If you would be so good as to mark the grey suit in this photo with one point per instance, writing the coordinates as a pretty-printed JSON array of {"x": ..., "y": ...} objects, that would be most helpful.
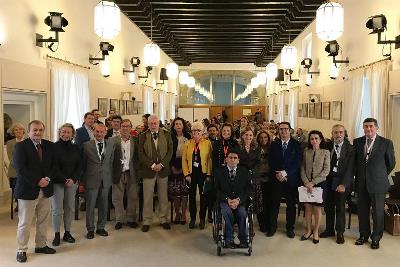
[
  {"x": 125, "y": 181},
  {"x": 97, "y": 178},
  {"x": 372, "y": 183}
]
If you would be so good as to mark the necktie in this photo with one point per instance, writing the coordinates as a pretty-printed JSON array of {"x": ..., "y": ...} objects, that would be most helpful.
[
  {"x": 155, "y": 136},
  {"x": 369, "y": 141},
  {"x": 39, "y": 151},
  {"x": 334, "y": 158},
  {"x": 100, "y": 146},
  {"x": 232, "y": 174},
  {"x": 284, "y": 148}
]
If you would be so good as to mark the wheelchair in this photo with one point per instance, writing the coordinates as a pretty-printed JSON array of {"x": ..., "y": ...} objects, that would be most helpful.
[{"x": 218, "y": 228}]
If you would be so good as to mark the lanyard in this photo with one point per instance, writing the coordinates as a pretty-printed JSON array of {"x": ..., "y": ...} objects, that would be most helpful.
[
  {"x": 368, "y": 148},
  {"x": 225, "y": 148}
]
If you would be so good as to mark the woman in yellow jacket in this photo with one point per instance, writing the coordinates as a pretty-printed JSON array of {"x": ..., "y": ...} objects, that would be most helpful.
[{"x": 196, "y": 166}]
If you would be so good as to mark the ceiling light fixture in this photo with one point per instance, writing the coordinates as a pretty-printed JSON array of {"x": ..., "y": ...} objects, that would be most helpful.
[
  {"x": 56, "y": 22},
  {"x": 191, "y": 82},
  {"x": 151, "y": 51},
  {"x": 307, "y": 63},
  {"x": 183, "y": 77},
  {"x": 329, "y": 21},
  {"x": 107, "y": 19},
  {"x": 172, "y": 70}
]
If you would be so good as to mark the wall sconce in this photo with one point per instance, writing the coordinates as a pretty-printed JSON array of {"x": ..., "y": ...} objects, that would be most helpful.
[
  {"x": 134, "y": 62},
  {"x": 378, "y": 25},
  {"x": 290, "y": 72},
  {"x": 163, "y": 76},
  {"x": 56, "y": 22},
  {"x": 105, "y": 48},
  {"x": 307, "y": 63},
  {"x": 333, "y": 48},
  {"x": 148, "y": 70}
]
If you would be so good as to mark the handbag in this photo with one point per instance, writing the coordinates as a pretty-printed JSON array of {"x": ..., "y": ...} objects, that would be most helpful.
[{"x": 392, "y": 219}]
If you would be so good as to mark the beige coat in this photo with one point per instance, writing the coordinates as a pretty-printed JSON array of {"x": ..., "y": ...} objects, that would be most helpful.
[
  {"x": 319, "y": 168},
  {"x": 10, "y": 151}
]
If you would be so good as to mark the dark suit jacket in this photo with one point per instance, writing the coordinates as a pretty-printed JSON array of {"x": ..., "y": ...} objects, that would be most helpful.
[
  {"x": 239, "y": 188},
  {"x": 291, "y": 163},
  {"x": 345, "y": 172},
  {"x": 30, "y": 169},
  {"x": 82, "y": 136},
  {"x": 109, "y": 133},
  {"x": 373, "y": 174},
  {"x": 69, "y": 161},
  {"x": 118, "y": 156}
]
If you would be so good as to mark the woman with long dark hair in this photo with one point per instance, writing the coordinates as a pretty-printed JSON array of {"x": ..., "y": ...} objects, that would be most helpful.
[{"x": 177, "y": 189}]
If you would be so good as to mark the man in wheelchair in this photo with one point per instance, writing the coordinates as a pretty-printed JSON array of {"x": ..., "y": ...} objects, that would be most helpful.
[{"x": 233, "y": 185}]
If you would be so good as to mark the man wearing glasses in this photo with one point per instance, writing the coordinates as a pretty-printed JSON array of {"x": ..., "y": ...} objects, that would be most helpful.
[{"x": 285, "y": 160}]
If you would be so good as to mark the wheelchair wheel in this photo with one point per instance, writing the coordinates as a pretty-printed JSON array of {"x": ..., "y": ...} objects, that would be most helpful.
[
  {"x": 249, "y": 250},
  {"x": 219, "y": 248}
]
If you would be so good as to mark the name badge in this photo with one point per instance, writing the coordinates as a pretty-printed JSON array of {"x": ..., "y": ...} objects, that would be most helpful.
[
  {"x": 334, "y": 169},
  {"x": 195, "y": 164}
]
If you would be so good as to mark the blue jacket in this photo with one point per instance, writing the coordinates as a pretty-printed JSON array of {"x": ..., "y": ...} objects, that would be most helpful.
[
  {"x": 82, "y": 136},
  {"x": 291, "y": 163}
]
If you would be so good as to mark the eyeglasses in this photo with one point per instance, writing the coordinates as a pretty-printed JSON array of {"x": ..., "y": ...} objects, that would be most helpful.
[
  {"x": 233, "y": 157},
  {"x": 283, "y": 129}
]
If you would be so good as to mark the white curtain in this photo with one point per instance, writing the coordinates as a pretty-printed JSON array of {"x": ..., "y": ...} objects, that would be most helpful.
[
  {"x": 162, "y": 106},
  {"x": 148, "y": 100},
  {"x": 61, "y": 77},
  {"x": 293, "y": 103},
  {"x": 353, "y": 101},
  {"x": 70, "y": 87},
  {"x": 281, "y": 107},
  {"x": 378, "y": 81},
  {"x": 271, "y": 104},
  {"x": 172, "y": 106}
]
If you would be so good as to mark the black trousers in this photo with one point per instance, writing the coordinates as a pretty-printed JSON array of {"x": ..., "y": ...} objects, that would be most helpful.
[
  {"x": 283, "y": 190},
  {"x": 365, "y": 201},
  {"x": 335, "y": 211},
  {"x": 264, "y": 218},
  {"x": 197, "y": 181}
]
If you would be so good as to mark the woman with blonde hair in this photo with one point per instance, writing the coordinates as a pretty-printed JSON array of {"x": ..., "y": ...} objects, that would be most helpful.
[
  {"x": 196, "y": 166},
  {"x": 18, "y": 131},
  {"x": 69, "y": 163}
]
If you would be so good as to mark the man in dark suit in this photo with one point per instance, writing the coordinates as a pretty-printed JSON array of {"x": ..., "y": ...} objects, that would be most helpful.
[
  {"x": 375, "y": 160},
  {"x": 125, "y": 168},
  {"x": 285, "y": 160},
  {"x": 116, "y": 127},
  {"x": 97, "y": 114},
  {"x": 98, "y": 155},
  {"x": 338, "y": 183},
  {"x": 85, "y": 133},
  {"x": 35, "y": 166},
  {"x": 233, "y": 187}
]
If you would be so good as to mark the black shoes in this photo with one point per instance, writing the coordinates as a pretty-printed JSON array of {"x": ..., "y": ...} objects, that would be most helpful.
[
  {"x": 270, "y": 233},
  {"x": 21, "y": 256},
  {"x": 192, "y": 224},
  {"x": 101, "y": 232},
  {"x": 326, "y": 234},
  {"x": 361, "y": 240},
  {"x": 166, "y": 226},
  {"x": 45, "y": 250},
  {"x": 56, "y": 240},
  {"x": 202, "y": 224},
  {"x": 132, "y": 224},
  {"x": 145, "y": 228},
  {"x": 375, "y": 244},
  {"x": 118, "y": 226},
  {"x": 243, "y": 245},
  {"x": 290, "y": 233},
  {"x": 339, "y": 238},
  {"x": 304, "y": 237},
  {"x": 315, "y": 241},
  {"x": 68, "y": 237},
  {"x": 230, "y": 244},
  {"x": 90, "y": 235}
]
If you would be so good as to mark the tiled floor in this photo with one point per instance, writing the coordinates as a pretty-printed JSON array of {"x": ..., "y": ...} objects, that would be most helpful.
[{"x": 183, "y": 247}]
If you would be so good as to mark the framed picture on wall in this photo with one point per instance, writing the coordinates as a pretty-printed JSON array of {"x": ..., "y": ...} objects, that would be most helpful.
[
  {"x": 102, "y": 106},
  {"x": 311, "y": 110},
  {"x": 129, "y": 107},
  {"x": 114, "y": 104},
  {"x": 337, "y": 110},
  {"x": 305, "y": 110},
  {"x": 300, "y": 110},
  {"x": 135, "y": 107},
  {"x": 122, "y": 107},
  {"x": 140, "y": 107},
  {"x": 326, "y": 110},
  {"x": 318, "y": 110}
]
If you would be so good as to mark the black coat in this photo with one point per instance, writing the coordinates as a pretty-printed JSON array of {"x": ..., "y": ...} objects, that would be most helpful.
[
  {"x": 239, "y": 188},
  {"x": 218, "y": 157},
  {"x": 30, "y": 169},
  {"x": 69, "y": 161}
]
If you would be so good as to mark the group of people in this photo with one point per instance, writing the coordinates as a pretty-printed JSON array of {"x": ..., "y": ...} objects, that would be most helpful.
[{"x": 266, "y": 163}]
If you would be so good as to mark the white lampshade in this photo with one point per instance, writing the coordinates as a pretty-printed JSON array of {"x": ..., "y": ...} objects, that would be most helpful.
[
  {"x": 271, "y": 71},
  {"x": 308, "y": 79},
  {"x": 330, "y": 17},
  {"x": 334, "y": 72},
  {"x": 183, "y": 77},
  {"x": 254, "y": 82},
  {"x": 191, "y": 82},
  {"x": 288, "y": 57},
  {"x": 151, "y": 55},
  {"x": 107, "y": 19},
  {"x": 172, "y": 71},
  {"x": 262, "y": 77},
  {"x": 105, "y": 67},
  {"x": 132, "y": 77}
]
